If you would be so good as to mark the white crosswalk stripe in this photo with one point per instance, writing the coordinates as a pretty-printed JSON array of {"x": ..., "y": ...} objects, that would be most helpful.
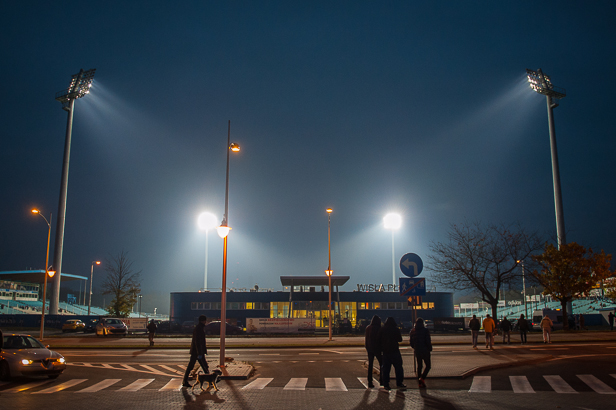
[
  {"x": 137, "y": 385},
  {"x": 173, "y": 385},
  {"x": 99, "y": 386},
  {"x": 296, "y": 384},
  {"x": 558, "y": 384},
  {"x": 334, "y": 384},
  {"x": 61, "y": 386},
  {"x": 27, "y": 386},
  {"x": 481, "y": 384},
  {"x": 520, "y": 384},
  {"x": 596, "y": 384},
  {"x": 258, "y": 384}
]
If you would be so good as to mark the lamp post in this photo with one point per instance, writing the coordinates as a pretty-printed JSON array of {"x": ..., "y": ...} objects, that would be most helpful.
[
  {"x": 47, "y": 270},
  {"x": 206, "y": 221},
  {"x": 393, "y": 222},
  {"x": 329, "y": 272},
  {"x": 79, "y": 87},
  {"x": 139, "y": 296},
  {"x": 541, "y": 84},
  {"x": 223, "y": 232},
  {"x": 91, "y": 275},
  {"x": 524, "y": 288}
]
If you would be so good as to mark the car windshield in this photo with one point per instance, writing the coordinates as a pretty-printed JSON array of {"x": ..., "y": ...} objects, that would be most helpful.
[
  {"x": 21, "y": 342},
  {"x": 114, "y": 321}
]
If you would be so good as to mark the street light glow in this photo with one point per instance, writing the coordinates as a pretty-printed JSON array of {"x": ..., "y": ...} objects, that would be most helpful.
[
  {"x": 223, "y": 231},
  {"x": 234, "y": 147},
  {"x": 35, "y": 211},
  {"x": 207, "y": 221},
  {"x": 541, "y": 83},
  {"x": 392, "y": 221}
]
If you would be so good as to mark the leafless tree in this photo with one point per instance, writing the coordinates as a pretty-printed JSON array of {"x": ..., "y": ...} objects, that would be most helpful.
[
  {"x": 122, "y": 283},
  {"x": 482, "y": 258}
]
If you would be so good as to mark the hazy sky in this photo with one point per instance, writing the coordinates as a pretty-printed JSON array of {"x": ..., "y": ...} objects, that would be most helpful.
[{"x": 367, "y": 107}]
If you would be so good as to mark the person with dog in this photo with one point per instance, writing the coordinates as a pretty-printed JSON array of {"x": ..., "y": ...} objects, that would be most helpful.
[
  {"x": 151, "y": 331},
  {"x": 372, "y": 346},
  {"x": 198, "y": 350},
  {"x": 422, "y": 345},
  {"x": 389, "y": 337}
]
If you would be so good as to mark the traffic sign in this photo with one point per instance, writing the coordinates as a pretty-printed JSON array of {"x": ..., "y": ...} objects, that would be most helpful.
[
  {"x": 412, "y": 287},
  {"x": 411, "y": 265}
]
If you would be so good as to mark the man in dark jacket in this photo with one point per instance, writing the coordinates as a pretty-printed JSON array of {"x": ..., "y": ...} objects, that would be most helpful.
[
  {"x": 372, "y": 346},
  {"x": 523, "y": 325},
  {"x": 474, "y": 325},
  {"x": 505, "y": 326},
  {"x": 151, "y": 331},
  {"x": 422, "y": 344},
  {"x": 389, "y": 337},
  {"x": 198, "y": 350}
]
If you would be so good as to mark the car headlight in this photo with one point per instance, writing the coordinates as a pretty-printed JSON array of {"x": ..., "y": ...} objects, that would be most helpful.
[
  {"x": 61, "y": 360},
  {"x": 25, "y": 362}
]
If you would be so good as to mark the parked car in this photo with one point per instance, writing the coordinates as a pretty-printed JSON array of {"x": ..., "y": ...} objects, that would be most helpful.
[
  {"x": 90, "y": 325},
  {"x": 23, "y": 355},
  {"x": 73, "y": 325},
  {"x": 168, "y": 326},
  {"x": 213, "y": 328},
  {"x": 188, "y": 326},
  {"x": 111, "y": 326}
]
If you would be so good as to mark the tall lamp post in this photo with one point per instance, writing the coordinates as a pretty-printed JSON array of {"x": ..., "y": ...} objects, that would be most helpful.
[
  {"x": 541, "y": 84},
  {"x": 524, "y": 288},
  {"x": 47, "y": 269},
  {"x": 393, "y": 222},
  {"x": 223, "y": 232},
  {"x": 140, "y": 296},
  {"x": 206, "y": 221},
  {"x": 91, "y": 275},
  {"x": 79, "y": 87},
  {"x": 329, "y": 272}
]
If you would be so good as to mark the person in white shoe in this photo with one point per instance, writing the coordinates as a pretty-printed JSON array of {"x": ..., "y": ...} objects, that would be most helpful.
[{"x": 546, "y": 325}]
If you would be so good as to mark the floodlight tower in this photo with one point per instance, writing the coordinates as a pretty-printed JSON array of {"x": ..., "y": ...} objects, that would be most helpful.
[
  {"x": 79, "y": 87},
  {"x": 541, "y": 84}
]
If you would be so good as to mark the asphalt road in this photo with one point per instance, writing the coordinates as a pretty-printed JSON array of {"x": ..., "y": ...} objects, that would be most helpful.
[{"x": 318, "y": 378}]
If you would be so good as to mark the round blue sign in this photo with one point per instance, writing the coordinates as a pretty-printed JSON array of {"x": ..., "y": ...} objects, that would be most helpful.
[{"x": 411, "y": 265}]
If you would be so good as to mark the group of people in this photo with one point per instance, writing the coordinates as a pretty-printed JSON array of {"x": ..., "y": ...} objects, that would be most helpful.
[
  {"x": 489, "y": 326},
  {"x": 382, "y": 343}
]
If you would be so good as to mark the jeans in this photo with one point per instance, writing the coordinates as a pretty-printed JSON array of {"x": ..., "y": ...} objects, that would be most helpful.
[
  {"x": 546, "y": 335},
  {"x": 191, "y": 365},
  {"x": 371, "y": 357},
  {"x": 508, "y": 334},
  {"x": 421, "y": 360},
  {"x": 523, "y": 336},
  {"x": 390, "y": 359},
  {"x": 474, "y": 335},
  {"x": 489, "y": 339}
]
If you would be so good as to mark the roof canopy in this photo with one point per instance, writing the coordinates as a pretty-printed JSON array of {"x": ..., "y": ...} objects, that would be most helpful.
[
  {"x": 313, "y": 280},
  {"x": 34, "y": 276}
]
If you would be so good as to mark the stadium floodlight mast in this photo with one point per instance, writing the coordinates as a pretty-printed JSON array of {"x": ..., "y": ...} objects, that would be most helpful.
[
  {"x": 206, "y": 221},
  {"x": 79, "y": 87},
  {"x": 394, "y": 222},
  {"x": 541, "y": 83}
]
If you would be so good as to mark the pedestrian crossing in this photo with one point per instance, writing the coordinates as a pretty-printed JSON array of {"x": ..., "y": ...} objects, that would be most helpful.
[{"x": 479, "y": 385}]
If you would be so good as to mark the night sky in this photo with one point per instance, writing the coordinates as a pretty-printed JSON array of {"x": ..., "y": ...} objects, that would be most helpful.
[{"x": 420, "y": 108}]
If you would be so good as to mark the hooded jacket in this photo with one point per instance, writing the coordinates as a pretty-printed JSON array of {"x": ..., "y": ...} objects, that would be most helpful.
[
  {"x": 420, "y": 339},
  {"x": 372, "y": 335},
  {"x": 389, "y": 337}
]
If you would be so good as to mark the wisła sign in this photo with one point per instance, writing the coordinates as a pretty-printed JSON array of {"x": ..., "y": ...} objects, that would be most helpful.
[{"x": 377, "y": 288}]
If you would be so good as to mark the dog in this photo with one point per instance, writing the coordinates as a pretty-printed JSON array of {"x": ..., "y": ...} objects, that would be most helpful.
[{"x": 210, "y": 378}]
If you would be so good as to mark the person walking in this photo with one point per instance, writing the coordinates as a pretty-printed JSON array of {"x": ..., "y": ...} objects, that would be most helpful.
[
  {"x": 582, "y": 322},
  {"x": 523, "y": 327},
  {"x": 474, "y": 325},
  {"x": 1, "y": 340},
  {"x": 372, "y": 346},
  {"x": 505, "y": 326},
  {"x": 198, "y": 350},
  {"x": 151, "y": 331},
  {"x": 610, "y": 318},
  {"x": 422, "y": 345},
  {"x": 488, "y": 327},
  {"x": 389, "y": 337},
  {"x": 546, "y": 325}
]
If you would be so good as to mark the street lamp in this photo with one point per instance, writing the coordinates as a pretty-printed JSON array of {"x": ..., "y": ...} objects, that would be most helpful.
[
  {"x": 541, "y": 84},
  {"x": 524, "y": 288},
  {"x": 206, "y": 221},
  {"x": 329, "y": 272},
  {"x": 223, "y": 232},
  {"x": 139, "y": 296},
  {"x": 393, "y": 222},
  {"x": 91, "y": 274},
  {"x": 79, "y": 87},
  {"x": 48, "y": 222}
]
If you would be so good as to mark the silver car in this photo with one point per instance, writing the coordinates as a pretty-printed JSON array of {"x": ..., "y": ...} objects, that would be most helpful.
[
  {"x": 111, "y": 326},
  {"x": 23, "y": 355}
]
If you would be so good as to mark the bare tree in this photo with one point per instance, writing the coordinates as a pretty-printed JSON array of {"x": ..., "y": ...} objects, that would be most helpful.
[
  {"x": 121, "y": 282},
  {"x": 482, "y": 258}
]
